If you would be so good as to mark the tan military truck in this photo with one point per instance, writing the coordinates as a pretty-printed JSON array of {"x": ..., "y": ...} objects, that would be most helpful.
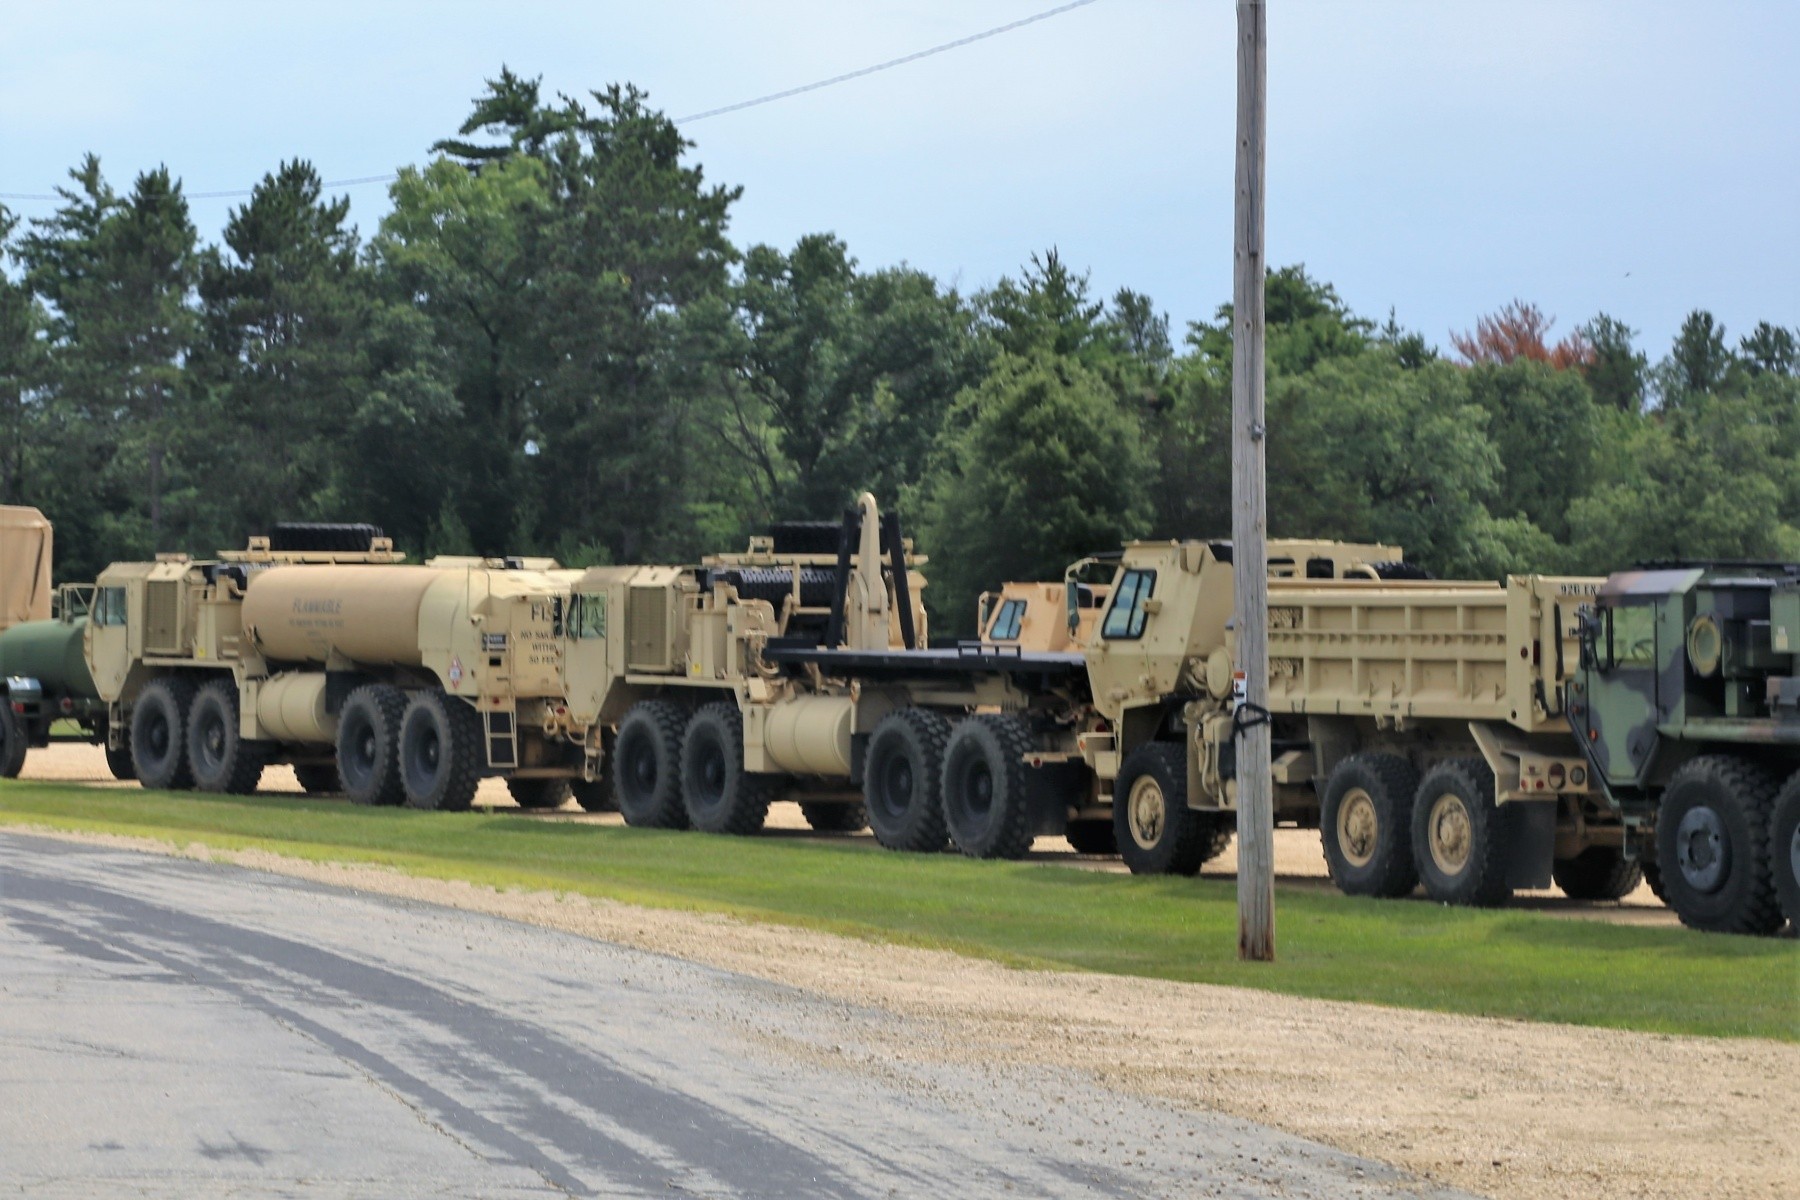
[
  {"x": 320, "y": 647},
  {"x": 1418, "y": 723}
]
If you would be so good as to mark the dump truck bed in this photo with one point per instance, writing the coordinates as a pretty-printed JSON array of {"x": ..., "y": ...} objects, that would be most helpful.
[{"x": 1461, "y": 651}]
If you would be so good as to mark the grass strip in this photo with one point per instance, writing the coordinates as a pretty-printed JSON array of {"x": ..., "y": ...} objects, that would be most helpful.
[{"x": 1495, "y": 963}]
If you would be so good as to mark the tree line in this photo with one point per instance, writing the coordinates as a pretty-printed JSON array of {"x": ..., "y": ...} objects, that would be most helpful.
[{"x": 551, "y": 345}]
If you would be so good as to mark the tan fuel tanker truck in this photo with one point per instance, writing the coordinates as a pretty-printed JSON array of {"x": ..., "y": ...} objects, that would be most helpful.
[{"x": 399, "y": 682}]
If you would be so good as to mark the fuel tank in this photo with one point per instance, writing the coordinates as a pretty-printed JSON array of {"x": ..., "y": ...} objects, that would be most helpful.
[
  {"x": 368, "y": 614},
  {"x": 51, "y": 653}
]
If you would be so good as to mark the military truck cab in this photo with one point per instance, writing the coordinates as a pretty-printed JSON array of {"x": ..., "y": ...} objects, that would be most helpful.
[{"x": 1687, "y": 707}]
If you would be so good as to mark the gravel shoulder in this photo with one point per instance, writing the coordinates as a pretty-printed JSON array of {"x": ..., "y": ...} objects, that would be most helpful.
[{"x": 1503, "y": 1108}]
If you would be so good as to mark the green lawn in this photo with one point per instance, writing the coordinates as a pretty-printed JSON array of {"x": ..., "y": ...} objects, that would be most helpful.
[{"x": 1493, "y": 963}]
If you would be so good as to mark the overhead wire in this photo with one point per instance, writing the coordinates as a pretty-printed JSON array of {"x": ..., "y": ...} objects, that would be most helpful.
[{"x": 903, "y": 60}]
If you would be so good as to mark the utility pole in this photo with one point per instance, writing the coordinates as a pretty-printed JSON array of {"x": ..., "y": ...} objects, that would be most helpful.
[{"x": 1249, "y": 504}]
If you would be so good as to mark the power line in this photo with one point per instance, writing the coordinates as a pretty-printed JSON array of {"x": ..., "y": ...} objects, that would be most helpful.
[{"x": 996, "y": 31}]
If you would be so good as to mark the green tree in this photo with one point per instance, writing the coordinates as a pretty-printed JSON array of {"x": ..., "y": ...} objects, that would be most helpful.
[
  {"x": 1769, "y": 348},
  {"x": 1040, "y": 466},
  {"x": 1616, "y": 370},
  {"x": 1698, "y": 361},
  {"x": 119, "y": 275},
  {"x": 284, "y": 364},
  {"x": 1545, "y": 428},
  {"x": 22, "y": 321}
]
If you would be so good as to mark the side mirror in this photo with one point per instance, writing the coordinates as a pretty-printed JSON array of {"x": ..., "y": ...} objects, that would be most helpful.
[
  {"x": 983, "y": 606},
  {"x": 1072, "y": 602},
  {"x": 1587, "y": 635}
]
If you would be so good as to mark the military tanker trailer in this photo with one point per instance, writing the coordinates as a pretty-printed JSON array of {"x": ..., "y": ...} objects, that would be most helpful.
[
  {"x": 394, "y": 682},
  {"x": 46, "y": 693}
]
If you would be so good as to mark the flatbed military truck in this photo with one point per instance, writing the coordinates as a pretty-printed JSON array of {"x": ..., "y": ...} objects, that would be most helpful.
[
  {"x": 320, "y": 647},
  {"x": 1686, "y": 707},
  {"x": 46, "y": 693},
  {"x": 794, "y": 669}
]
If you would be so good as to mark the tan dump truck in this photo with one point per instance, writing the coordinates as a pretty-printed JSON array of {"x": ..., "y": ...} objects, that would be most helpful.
[
  {"x": 1418, "y": 723},
  {"x": 396, "y": 682}
]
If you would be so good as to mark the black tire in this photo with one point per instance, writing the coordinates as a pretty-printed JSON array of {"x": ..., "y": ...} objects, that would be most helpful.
[
  {"x": 719, "y": 795},
  {"x": 986, "y": 809},
  {"x": 1460, "y": 837},
  {"x": 159, "y": 722},
  {"x": 1365, "y": 823},
  {"x": 1598, "y": 873},
  {"x": 903, "y": 780},
  {"x": 835, "y": 817},
  {"x": 119, "y": 761},
  {"x": 647, "y": 771},
  {"x": 318, "y": 779},
  {"x": 13, "y": 742},
  {"x": 1653, "y": 876},
  {"x": 1154, "y": 829},
  {"x": 221, "y": 760},
  {"x": 1712, "y": 845},
  {"x": 368, "y": 745},
  {"x": 1784, "y": 849},
  {"x": 1093, "y": 837},
  {"x": 539, "y": 793},
  {"x": 441, "y": 746}
]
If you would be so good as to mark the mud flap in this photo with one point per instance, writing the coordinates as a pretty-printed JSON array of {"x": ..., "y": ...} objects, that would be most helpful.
[
  {"x": 1050, "y": 791},
  {"x": 1531, "y": 842}
]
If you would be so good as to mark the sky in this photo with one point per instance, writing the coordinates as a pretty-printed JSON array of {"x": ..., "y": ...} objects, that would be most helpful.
[{"x": 1434, "y": 157}]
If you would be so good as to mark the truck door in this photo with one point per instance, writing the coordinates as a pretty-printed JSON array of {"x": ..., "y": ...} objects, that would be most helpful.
[
  {"x": 586, "y": 673},
  {"x": 1621, "y": 701}
]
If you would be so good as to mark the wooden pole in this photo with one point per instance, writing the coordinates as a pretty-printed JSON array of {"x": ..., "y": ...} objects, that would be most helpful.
[{"x": 1249, "y": 507}]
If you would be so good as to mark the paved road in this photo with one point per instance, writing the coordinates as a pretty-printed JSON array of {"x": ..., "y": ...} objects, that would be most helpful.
[{"x": 183, "y": 1029}]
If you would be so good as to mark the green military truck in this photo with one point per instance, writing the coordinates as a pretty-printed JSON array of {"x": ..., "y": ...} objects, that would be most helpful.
[{"x": 1687, "y": 706}]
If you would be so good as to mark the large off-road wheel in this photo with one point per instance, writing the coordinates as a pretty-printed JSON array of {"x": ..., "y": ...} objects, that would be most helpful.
[
  {"x": 368, "y": 745},
  {"x": 1155, "y": 830},
  {"x": 834, "y": 816},
  {"x": 1598, "y": 873},
  {"x": 647, "y": 766},
  {"x": 13, "y": 742},
  {"x": 119, "y": 761},
  {"x": 159, "y": 722},
  {"x": 1712, "y": 845},
  {"x": 1459, "y": 835},
  {"x": 539, "y": 793},
  {"x": 221, "y": 760},
  {"x": 903, "y": 779},
  {"x": 318, "y": 779},
  {"x": 1784, "y": 849},
  {"x": 986, "y": 809},
  {"x": 1092, "y": 837},
  {"x": 440, "y": 752},
  {"x": 720, "y": 796},
  {"x": 1365, "y": 823}
]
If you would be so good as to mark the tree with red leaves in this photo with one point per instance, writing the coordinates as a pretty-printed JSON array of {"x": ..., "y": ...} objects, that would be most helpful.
[{"x": 1519, "y": 331}]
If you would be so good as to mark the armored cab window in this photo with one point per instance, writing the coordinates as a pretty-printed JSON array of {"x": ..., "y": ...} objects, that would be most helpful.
[
  {"x": 1631, "y": 635},
  {"x": 1125, "y": 620},
  {"x": 587, "y": 617},
  {"x": 1007, "y": 622},
  {"x": 109, "y": 606}
]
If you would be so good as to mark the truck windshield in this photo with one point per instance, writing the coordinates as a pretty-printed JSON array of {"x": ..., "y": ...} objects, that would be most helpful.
[
  {"x": 1632, "y": 633},
  {"x": 1007, "y": 622}
]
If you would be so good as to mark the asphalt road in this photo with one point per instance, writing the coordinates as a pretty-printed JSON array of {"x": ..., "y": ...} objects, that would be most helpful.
[{"x": 185, "y": 1029}]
